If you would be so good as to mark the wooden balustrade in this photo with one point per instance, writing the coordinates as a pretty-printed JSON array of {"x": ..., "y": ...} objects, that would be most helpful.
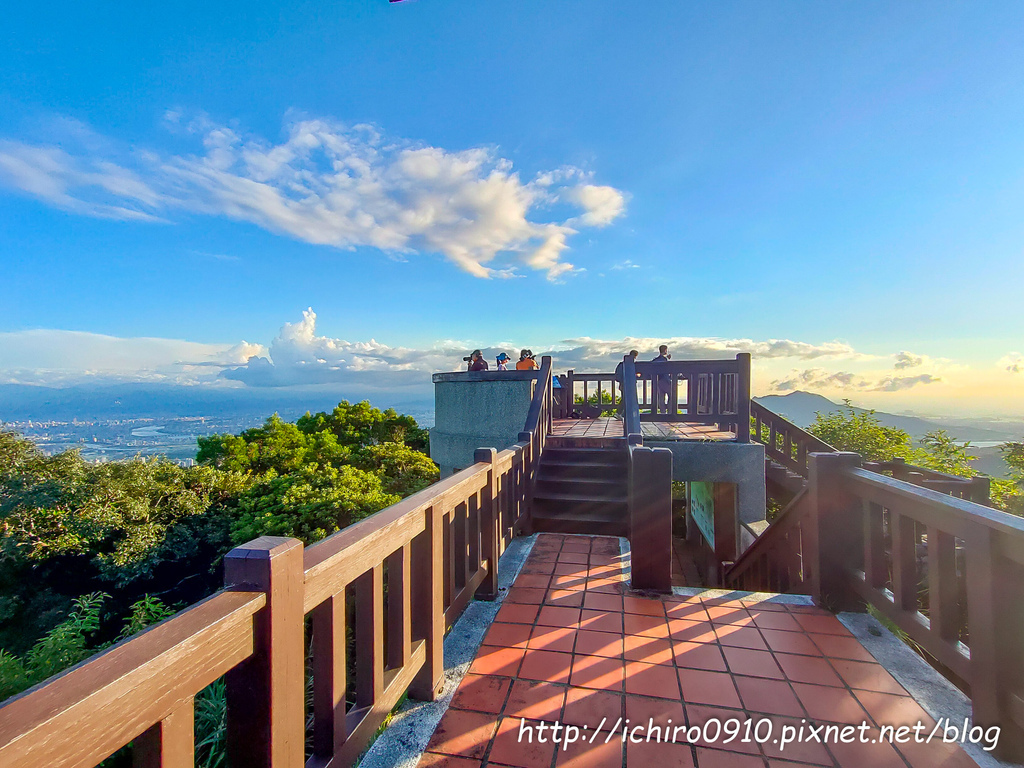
[
  {"x": 591, "y": 385},
  {"x": 384, "y": 590},
  {"x": 947, "y": 571},
  {"x": 713, "y": 392},
  {"x": 784, "y": 442}
]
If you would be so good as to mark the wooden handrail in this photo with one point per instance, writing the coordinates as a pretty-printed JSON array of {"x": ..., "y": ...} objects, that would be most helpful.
[
  {"x": 784, "y": 442},
  {"x": 774, "y": 562},
  {"x": 541, "y": 396},
  {"x": 86, "y": 713}
]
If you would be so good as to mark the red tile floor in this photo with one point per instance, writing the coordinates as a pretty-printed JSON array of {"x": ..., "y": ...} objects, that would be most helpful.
[{"x": 572, "y": 645}]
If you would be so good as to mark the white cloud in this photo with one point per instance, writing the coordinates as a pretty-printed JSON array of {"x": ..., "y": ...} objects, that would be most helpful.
[
  {"x": 627, "y": 264},
  {"x": 601, "y": 205},
  {"x": 1012, "y": 362},
  {"x": 329, "y": 184},
  {"x": 597, "y": 354}
]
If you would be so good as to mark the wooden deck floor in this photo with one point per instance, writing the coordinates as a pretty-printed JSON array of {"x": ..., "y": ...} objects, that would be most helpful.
[
  {"x": 572, "y": 645},
  {"x": 655, "y": 430}
]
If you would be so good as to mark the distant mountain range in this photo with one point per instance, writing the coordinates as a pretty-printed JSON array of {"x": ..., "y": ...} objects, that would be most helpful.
[{"x": 801, "y": 407}]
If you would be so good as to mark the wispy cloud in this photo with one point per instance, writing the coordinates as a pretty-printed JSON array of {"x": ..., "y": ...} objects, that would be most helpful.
[
  {"x": 906, "y": 360},
  {"x": 822, "y": 379},
  {"x": 329, "y": 184}
]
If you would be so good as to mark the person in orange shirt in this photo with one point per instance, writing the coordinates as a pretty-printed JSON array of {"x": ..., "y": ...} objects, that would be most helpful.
[{"x": 526, "y": 361}]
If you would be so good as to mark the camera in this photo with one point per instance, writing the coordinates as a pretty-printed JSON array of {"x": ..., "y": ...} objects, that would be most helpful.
[{"x": 466, "y": 359}]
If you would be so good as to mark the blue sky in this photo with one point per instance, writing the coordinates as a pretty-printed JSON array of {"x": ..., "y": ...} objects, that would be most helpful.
[{"x": 847, "y": 174}]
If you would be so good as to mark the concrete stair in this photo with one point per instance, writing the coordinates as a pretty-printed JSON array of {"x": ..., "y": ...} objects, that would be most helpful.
[{"x": 581, "y": 487}]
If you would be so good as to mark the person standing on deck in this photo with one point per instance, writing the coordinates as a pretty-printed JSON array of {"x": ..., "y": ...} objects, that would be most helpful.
[
  {"x": 662, "y": 382},
  {"x": 618, "y": 368},
  {"x": 527, "y": 362},
  {"x": 477, "y": 362}
]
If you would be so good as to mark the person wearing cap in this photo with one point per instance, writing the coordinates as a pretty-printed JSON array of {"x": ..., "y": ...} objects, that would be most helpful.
[
  {"x": 502, "y": 360},
  {"x": 477, "y": 362},
  {"x": 526, "y": 361}
]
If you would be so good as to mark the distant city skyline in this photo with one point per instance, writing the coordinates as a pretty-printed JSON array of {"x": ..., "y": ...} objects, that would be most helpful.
[{"x": 356, "y": 196}]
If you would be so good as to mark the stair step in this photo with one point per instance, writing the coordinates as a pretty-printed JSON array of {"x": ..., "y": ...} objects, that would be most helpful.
[
  {"x": 582, "y": 509},
  {"x": 582, "y": 489},
  {"x": 579, "y": 497},
  {"x": 593, "y": 527},
  {"x": 581, "y": 472}
]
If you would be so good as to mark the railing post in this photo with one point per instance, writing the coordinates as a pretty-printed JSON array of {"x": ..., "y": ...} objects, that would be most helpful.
[
  {"x": 428, "y": 604},
  {"x": 266, "y": 693},
  {"x": 832, "y": 518},
  {"x": 650, "y": 518},
  {"x": 490, "y": 525},
  {"x": 570, "y": 397},
  {"x": 995, "y": 624},
  {"x": 743, "y": 398}
]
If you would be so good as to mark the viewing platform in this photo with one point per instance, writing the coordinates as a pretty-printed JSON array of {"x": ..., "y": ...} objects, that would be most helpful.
[
  {"x": 618, "y": 572},
  {"x": 605, "y": 426}
]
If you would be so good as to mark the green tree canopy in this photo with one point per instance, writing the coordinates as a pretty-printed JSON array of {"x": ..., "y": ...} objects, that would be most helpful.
[
  {"x": 402, "y": 469},
  {"x": 310, "y": 503},
  {"x": 848, "y": 430}
]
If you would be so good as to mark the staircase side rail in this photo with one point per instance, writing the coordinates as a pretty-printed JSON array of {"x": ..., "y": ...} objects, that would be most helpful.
[
  {"x": 947, "y": 571},
  {"x": 784, "y": 442},
  {"x": 432, "y": 552},
  {"x": 716, "y": 392},
  {"x": 630, "y": 404},
  {"x": 775, "y": 561}
]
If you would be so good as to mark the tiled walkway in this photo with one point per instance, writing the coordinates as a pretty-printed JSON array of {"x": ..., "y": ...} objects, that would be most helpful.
[
  {"x": 656, "y": 430},
  {"x": 572, "y": 645}
]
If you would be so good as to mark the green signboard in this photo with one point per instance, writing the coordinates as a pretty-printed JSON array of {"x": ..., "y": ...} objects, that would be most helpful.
[{"x": 702, "y": 509}]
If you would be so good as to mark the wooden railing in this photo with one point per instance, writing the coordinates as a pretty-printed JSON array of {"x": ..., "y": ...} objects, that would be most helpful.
[
  {"x": 775, "y": 561},
  {"x": 379, "y": 596},
  {"x": 586, "y": 386},
  {"x": 784, "y": 442},
  {"x": 947, "y": 571},
  {"x": 976, "y": 489},
  {"x": 699, "y": 392}
]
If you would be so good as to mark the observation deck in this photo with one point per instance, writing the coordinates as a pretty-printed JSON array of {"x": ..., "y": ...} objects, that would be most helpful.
[{"x": 533, "y": 584}]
